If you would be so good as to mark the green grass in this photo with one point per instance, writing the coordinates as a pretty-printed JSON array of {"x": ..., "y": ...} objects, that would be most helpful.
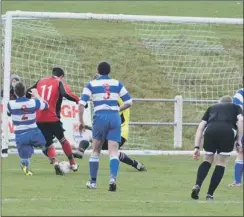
[
  {"x": 167, "y": 8},
  {"x": 163, "y": 190},
  {"x": 142, "y": 72}
]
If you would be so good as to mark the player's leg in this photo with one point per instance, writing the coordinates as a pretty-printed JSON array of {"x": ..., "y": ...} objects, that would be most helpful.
[
  {"x": 226, "y": 145},
  {"x": 37, "y": 139},
  {"x": 4, "y": 152},
  {"x": 113, "y": 163},
  {"x": 202, "y": 173},
  {"x": 128, "y": 160},
  {"x": 58, "y": 132},
  {"x": 209, "y": 147},
  {"x": 49, "y": 148},
  {"x": 83, "y": 146},
  {"x": 25, "y": 151},
  {"x": 99, "y": 131},
  {"x": 94, "y": 163},
  {"x": 238, "y": 168},
  {"x": 218, "y": 174},
  {"x": 114, "y": 137},
  {"x": 124, "y": 158}
]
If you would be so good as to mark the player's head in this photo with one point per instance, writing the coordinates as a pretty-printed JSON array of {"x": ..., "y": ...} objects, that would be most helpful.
[
  {"x": 225, "y": 99},
  {"x": 58, "y": 72},
  {"x": 19, "y": 89},
  {"x": 103, "y": 68},
  {"x": 14, "y": 79}
]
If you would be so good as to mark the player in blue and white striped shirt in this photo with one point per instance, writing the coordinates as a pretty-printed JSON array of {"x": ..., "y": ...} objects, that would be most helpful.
[
  {"x": 238, "y": 169},
  {"x": 105, "y": 93},
  {"x": 23, "y": 113}
]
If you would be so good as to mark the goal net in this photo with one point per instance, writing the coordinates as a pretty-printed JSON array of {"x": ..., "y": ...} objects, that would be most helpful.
[{"x": 155, "y": 57}]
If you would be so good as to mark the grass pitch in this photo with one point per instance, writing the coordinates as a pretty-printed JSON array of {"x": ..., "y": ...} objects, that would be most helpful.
[{"x": 163, "y": 190}]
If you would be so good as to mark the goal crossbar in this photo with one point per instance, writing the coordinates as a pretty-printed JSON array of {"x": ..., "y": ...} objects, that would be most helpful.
[{"x": 124, "y": 17}]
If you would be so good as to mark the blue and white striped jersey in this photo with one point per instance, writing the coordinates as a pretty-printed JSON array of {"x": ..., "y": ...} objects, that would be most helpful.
[
  {"x": 23, "y": 113},
  {"x": 105, "y": 93},
  {"x": 238, "y": 98}
]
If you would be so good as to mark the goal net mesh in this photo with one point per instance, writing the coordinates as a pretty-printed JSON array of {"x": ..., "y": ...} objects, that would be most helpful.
[
  {"x": 154, "y": 60},
  {"x": 193, "y": 58}
]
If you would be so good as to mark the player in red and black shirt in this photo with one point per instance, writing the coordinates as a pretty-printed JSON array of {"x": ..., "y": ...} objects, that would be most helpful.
[{"x": 53, "y": 89}]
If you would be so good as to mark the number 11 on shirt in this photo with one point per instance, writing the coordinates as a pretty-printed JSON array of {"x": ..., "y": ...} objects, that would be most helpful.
[{"x": 49, "y": 89}]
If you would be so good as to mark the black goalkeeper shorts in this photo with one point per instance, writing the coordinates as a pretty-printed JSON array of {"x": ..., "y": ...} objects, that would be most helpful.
[
  {"x": 105, "y": 144},
  {"x": 51, "y": 130}
]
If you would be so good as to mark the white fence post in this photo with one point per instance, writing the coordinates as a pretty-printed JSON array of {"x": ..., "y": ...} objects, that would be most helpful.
[{"x": 178, "y": 116}]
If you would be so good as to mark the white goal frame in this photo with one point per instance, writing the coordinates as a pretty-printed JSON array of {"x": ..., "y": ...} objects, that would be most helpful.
[{"x": 22, "y": 15}]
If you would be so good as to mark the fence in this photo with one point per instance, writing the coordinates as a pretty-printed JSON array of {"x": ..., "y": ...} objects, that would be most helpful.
[{"x": 177, "y": 123}]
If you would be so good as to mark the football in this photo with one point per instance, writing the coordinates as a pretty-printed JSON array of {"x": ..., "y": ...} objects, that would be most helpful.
[{"x": 64, "y": 166}]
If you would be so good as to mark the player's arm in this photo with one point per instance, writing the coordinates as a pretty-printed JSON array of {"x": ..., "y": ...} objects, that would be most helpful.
[
  {"x": 28, "y": 91},
  {"x": 40, "y": 104},
  {"x": 9, "y": 110},
  {"x": 200, "y": 129},
  {"x": 85, "y": 97},
  {"x": 125, "y": 96},
  {"x": 238, "y": 99},
  {"x": 199, "y": 134},
  {"x": 239, "y": 125},
  {"x": 66, "y": 92}
]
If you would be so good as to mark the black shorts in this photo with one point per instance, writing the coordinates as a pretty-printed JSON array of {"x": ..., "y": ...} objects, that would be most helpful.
[
  {"x": 219, "y": 138},
  {"x": 105, "y": 144},
  {"x": 51, "y": 130}
]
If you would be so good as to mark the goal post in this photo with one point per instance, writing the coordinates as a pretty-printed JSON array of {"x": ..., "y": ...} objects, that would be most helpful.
[
  {"x": 6, "y": 78},
  {"x": 187, "y": 53}
]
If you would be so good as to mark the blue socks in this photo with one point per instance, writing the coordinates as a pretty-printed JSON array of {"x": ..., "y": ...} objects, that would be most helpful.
[
  {"x": 114, "y": 167},
  {"x": 238, "y": 171},
  {"x": 25, "y": 162},
  {"x": 94, "y": 165}
]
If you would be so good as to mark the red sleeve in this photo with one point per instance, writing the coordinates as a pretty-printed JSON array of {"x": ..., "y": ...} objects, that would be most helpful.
[{"x": 66, "y": 92}]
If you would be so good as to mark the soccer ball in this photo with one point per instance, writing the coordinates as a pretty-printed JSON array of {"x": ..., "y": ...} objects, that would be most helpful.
[{"x": 64, "y": 166}]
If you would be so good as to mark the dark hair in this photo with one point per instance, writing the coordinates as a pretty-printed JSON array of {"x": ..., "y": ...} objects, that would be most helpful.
[
  {"x": 14, "y": 77},
  {"x": 19, "y": 89},
  {"x": 58, "y": 72},
  {"x": 103, "y": 68}
]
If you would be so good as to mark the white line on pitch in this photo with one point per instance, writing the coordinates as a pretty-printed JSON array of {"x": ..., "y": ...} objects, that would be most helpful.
[{"x": 16, "y": 200}]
